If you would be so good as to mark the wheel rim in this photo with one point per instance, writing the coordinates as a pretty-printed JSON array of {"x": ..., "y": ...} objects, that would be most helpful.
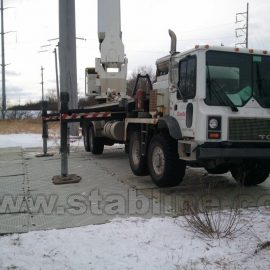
[
  {"x": 136, "y": 153},
  {"x": 158, "y": 161}
]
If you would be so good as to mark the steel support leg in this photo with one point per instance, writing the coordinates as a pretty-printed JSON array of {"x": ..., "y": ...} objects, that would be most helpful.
[
  {"x": 65, "y": 178},
  {"x": 64, "y": 149},
  {"x": 45, "y": 135}
]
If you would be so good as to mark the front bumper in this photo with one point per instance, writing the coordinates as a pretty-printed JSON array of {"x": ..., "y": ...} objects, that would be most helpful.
[{"x": 241, "y": 151}]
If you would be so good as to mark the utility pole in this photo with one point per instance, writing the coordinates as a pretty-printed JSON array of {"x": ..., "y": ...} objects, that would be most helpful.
[
  {"x": 3, "y": 64},
  {"x": 42, "y": 84},
  {"x": 4, "y": 102},
  {"x": 57, "y": 81},
  {"x": 55, "y": 51},
  {"x": 56, "y": 71},
  {"x": 242, "y": 20},
  {"x": 67, "y": 54}
]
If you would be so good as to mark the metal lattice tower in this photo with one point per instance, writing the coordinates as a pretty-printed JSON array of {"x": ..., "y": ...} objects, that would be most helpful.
[{"x": 242, "y": 30}]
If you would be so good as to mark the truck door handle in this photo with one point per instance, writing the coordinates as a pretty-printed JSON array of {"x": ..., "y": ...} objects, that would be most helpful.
[{"x": 175, "y": 107}]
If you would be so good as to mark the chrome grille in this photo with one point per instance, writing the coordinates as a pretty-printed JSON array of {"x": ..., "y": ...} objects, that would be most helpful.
[{"x": 249, "y": 129}]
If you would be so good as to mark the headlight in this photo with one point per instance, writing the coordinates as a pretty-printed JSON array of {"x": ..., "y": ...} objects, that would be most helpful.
[
  {"x": 213, "y": 123},
  {"x": 214, "y": 127}
]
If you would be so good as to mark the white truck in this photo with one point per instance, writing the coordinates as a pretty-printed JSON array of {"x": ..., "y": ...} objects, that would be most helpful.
[{"x": 209, "y": 107}]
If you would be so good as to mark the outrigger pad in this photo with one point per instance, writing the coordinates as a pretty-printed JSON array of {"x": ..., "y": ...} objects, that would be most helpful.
[
  {"x": 69, "y": 179},
  {"x": 45, "y": 155}
]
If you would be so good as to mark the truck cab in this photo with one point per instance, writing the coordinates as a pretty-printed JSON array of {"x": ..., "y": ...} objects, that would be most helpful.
[{"x": 219, "y": 98}]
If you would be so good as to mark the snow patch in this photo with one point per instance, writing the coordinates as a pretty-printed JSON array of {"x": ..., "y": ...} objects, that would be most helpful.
[
  {"x": 35, "y": 140},
  {"x": 134, "y": 243}
]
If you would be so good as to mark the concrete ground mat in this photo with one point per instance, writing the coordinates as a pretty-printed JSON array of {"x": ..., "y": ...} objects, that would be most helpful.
[{"x": 108, "y": 189}]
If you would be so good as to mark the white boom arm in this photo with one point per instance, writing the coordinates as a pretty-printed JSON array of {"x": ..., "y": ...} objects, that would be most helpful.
[{"x": 112, "y": 66}]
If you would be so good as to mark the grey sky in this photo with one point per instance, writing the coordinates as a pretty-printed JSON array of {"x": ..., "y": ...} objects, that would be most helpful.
[{"x": 144, "y": 25}]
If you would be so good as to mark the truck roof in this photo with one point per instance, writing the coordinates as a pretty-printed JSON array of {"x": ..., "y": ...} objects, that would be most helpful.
[
  {"x": 226, "y": 49},
  {"x": 163, "y": 62}
]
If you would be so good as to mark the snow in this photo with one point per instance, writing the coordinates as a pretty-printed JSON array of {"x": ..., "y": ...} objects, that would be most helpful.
[
  {"x": 26, "y": 140},
  {"x": 35, "y": 140},
  {"x": 135, "y": 243},
  {"x": 20, "y": 140}
]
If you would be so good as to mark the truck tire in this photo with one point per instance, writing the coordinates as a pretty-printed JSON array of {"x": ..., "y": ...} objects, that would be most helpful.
[
  {"x": 165, "y": 167},
  {"x": 86, "y": 139},
  {"x": 251, "y": 173},
  {"x": 96, "y": 143},
  {"x": 138, "y": 163}
]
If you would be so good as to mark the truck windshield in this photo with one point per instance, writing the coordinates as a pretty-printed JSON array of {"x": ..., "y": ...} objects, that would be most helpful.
[{"x": 237, "y": 76}]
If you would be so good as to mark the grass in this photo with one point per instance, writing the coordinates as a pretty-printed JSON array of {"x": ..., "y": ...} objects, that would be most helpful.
[{"x": 24, "y": 126}]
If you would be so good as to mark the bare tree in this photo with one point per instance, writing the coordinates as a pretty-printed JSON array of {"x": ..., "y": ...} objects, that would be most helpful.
[
  {"x": 51, "y": 96},
  {"x": 143, "y": 70}
]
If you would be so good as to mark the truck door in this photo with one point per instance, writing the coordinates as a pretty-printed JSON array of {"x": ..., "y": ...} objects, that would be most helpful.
[{"x": 184, "y": 103}]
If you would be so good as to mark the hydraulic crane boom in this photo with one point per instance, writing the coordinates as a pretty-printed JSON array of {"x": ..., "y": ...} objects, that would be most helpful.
[{"x": 111, "y": 67}]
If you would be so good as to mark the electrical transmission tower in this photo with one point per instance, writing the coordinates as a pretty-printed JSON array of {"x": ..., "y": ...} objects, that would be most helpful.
[{"x": 241, "y": 32}]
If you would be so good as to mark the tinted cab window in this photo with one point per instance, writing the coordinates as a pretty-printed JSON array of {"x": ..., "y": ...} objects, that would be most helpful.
[{"x": 187, "y": 77}]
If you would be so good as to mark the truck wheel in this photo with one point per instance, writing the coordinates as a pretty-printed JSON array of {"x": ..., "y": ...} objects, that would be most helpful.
[
  {"x": 138, "y": 163},
  {"x": 251, "y": 173},
  {"x": 165, "y": 167},
  {"x": 96, "y": 143},
  {"x": 86, "y": 139}
]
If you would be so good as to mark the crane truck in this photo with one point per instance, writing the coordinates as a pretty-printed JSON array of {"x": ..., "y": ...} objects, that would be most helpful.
[{"x": 208, "y": 107}]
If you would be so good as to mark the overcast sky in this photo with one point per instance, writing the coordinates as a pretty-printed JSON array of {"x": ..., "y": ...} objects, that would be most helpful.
[{"x": 144, "y": 24}]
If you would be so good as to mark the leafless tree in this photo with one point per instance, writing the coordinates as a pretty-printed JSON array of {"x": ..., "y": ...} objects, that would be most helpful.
[
  {"x": 51, "y": 96},
  {"x": 143, "y": 70}
]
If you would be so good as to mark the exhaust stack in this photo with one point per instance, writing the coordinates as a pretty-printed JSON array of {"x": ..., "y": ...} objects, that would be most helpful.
[{"x": 173, "y": 42}]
